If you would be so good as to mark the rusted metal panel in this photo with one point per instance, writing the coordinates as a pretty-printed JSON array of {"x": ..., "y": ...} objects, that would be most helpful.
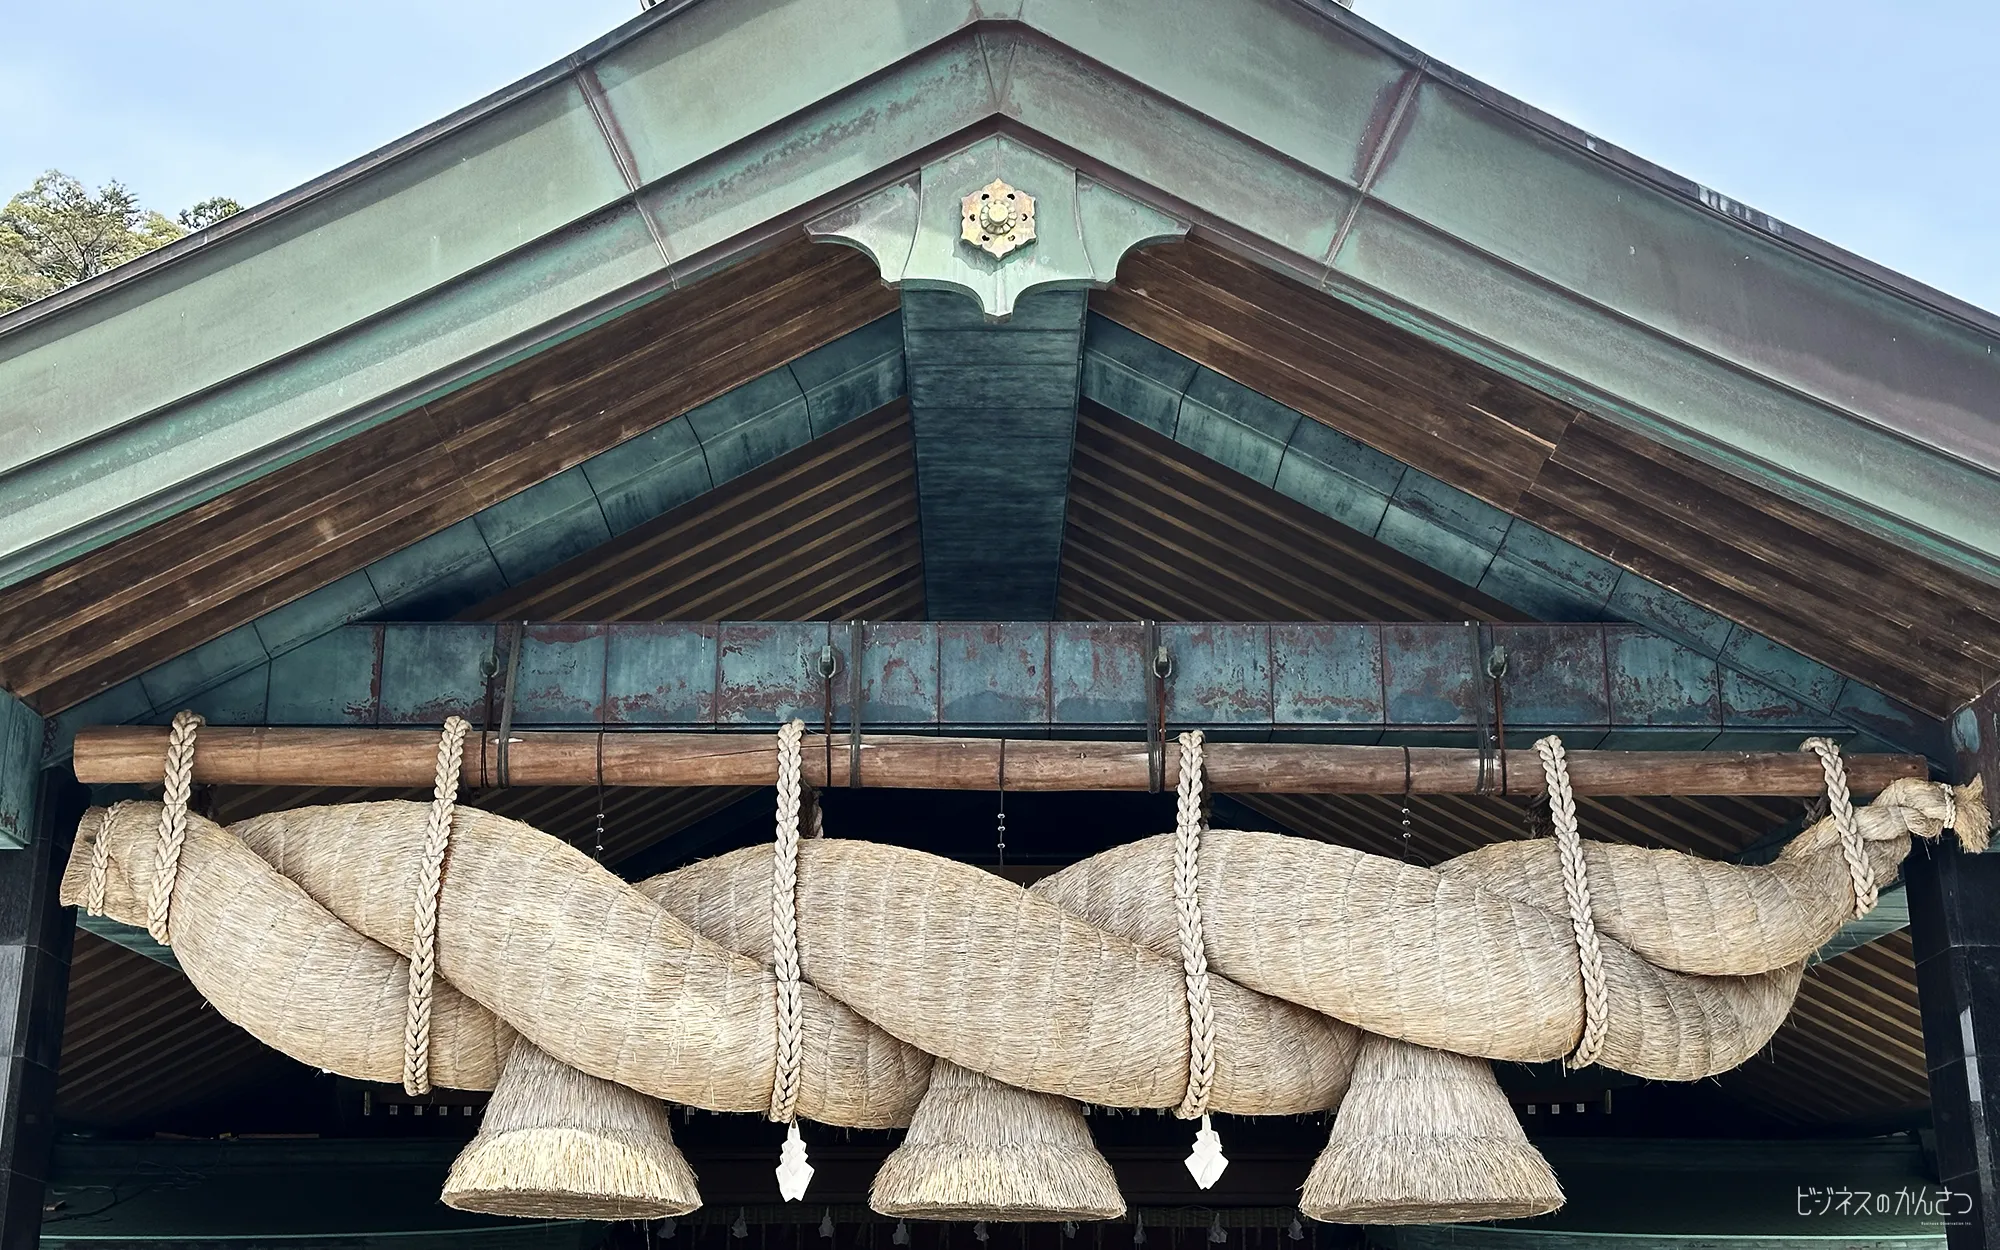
[
  {"x": 20, "y": 770},
  {"x": 430, "y": 672},
  {"x": 336, "y": 679},
  {"x": 1553, "y": 679},
  {"x": 1221, "y": 677},
  {"x": 563, "y": 679},
  {"x": 1662, "y": 693},
  {"x": 660, "y": 674},
  {"x": 1098, "y": 674},
  {"x": 242, "y": 700},
  {"x": 1328, "y": 675},
  {"x": 994, "y": 673},
  {"x": 767, "y": 672},
  {"x": 1760, "y": 717},
  {"x": 1428, "y": 678},
  {"x": 1975, "y": 741},
  {"x": 994, "y": 422},
  {"x": 900, "y": 671},
  {"x": 1892, "y": 721},
  {"x": 1363, "y": 682}
]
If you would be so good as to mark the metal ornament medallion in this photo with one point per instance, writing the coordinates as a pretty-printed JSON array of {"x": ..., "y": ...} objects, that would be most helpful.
[{"x": 998, "y": 218}]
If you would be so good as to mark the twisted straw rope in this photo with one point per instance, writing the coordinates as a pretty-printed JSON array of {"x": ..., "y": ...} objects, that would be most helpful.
[
  {"x": 430, "y": 878},
  {"x": 173, "y": 822},
  {"x": 100, "y": 865},
  {"x": 785, "y": 927},
  {"x": 1576, "y": 892},
  {"x": 1841, "y": 805},
  {"x": 1188, "y": 813}
]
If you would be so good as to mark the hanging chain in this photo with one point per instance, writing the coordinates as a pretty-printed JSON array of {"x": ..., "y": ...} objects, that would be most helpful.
[
  {"x": 1409, "y": 826},
  {"x": 1000, "y": 821},
  {"x": 597, "y": 850}
]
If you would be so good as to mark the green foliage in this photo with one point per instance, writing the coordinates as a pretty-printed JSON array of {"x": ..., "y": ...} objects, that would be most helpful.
[
  {"x": 56, "y": 233},
  {"x": 208, "y": 212}
]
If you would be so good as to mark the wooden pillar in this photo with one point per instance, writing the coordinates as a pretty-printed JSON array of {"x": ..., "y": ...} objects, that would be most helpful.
[
  {"x": 35, "y": 936},
  {"x": 1955, "y": 926},
  {"x": 1955, "y": 929}
]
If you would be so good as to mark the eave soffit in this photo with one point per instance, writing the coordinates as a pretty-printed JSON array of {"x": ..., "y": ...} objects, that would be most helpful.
[{"x": 637, "y": 165}]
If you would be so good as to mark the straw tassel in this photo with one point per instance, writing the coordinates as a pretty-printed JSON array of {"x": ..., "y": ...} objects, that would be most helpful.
[
  {"x": 558, "y": 1144},
  {"x": 981, "y": 1150},
  {"x": 1426, "y": 1137}
]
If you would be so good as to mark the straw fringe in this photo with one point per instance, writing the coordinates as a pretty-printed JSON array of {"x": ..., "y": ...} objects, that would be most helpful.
[
  {"x": 980, "y": 1150},
  {"x": 557, "y": 1144},
  {"x": 1426, "y": 1137}
]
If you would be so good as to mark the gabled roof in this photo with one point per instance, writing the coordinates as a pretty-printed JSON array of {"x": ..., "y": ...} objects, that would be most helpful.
[{"x": 1288, "y": 129}]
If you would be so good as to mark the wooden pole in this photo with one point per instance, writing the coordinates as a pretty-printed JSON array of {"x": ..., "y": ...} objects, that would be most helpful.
[{"x": 408, "y": 757}]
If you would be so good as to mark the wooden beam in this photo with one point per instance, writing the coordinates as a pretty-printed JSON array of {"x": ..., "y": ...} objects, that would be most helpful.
[{"x": 407, "y": 757}]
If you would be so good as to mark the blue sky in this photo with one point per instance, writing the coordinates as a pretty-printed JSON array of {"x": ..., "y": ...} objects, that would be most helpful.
[{"x": 1871, "y": 125}]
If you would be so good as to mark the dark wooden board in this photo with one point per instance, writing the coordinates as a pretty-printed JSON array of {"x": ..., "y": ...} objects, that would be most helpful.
[
  {"x": 826, "y": 531},
  {"x": 1418, "y": 403},
  {"x": 1156, "y": 530}
]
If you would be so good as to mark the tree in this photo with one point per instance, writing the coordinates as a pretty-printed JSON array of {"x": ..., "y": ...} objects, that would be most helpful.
[
  {"x": 56, "y": 233},
  {"x": 208, "y": 212}
]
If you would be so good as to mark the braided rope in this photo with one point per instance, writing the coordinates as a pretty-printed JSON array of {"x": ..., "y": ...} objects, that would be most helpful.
[
  {"x": 1188, "y": 813},
  {"x": 430, "y": 878},
  {"x": 173, "y": 822},
  {"x": 785, "y": 926},
  {"x": 100, "y": 866},
  {"x": 1841, "y": 804},
  {"x": 1576, "y": 892}
]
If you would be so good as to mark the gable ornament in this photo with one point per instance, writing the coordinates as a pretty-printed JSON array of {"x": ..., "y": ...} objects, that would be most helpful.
[{"x": 998, "y": 218}]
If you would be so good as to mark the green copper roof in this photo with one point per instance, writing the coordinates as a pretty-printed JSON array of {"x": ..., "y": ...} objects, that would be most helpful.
[{"x": 1289, "y": 127}]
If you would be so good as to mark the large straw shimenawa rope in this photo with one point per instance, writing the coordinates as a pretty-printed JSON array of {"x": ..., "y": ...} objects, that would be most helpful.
[
  {"x": 294, "y": 923},
  {"x": 299, "y": 925}
]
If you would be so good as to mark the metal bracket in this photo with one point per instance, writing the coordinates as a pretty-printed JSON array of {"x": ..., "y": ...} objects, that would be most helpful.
[
  {"x": 1160, "y": 667},
  {"x": 507, "y": 699},
  {"x": 856, "y": 633},
  {"x": 829, "y": 668}
]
